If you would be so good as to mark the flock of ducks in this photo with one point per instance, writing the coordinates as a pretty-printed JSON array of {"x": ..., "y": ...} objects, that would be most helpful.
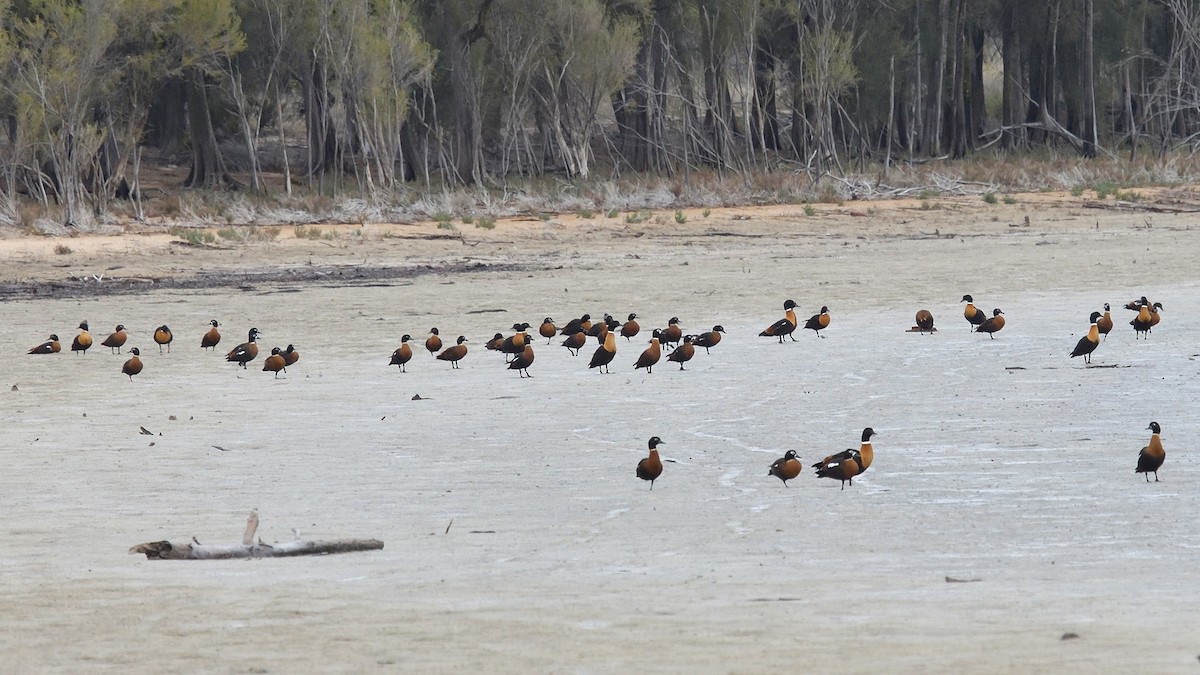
[
  {"x": 518, "y": 347},
  {"x": 277, "y": 361},
  {"x": 844, "y": 466},
  {"x": 519, "y": 352}
]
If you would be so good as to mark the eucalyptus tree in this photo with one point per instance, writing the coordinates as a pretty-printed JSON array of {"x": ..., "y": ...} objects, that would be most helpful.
[{"x": 59, "y": 68}]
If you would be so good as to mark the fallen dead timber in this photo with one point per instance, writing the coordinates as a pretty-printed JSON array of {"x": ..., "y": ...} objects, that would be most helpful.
[{"x": 194, "y": 550}]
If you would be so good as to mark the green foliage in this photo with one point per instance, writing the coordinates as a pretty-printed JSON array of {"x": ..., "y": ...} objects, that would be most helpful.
[
  {"x": 1077, "y": 191},
  {"x": 809, "y": 210},
  {"x": 680, "y": 218},
  {"x": 585, "y": 214},
  {"x": 706, "y": 212},
  {"x": 486, "y": 223},
  {"x": 1104, "y": 188},
  {"x": 613, "y": 213},
  {"x": 1010, "y": 200},
  {"x": 990, "y": 197}
]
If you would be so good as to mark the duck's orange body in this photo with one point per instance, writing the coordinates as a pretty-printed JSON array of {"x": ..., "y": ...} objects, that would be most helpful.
[
  {"x": 134, "y": 365},
  {"x": 83, "y": 341},
  {"x": 650, "y": 467},
  {"x": 845, "y": 465},
  {"x": 785, "y": 468},
  {"x": 212, "y": 338},
  {"x": 785, "y": 326},
  {"x": 402, "y": 355},
  {"x": 116, "y": 339}
]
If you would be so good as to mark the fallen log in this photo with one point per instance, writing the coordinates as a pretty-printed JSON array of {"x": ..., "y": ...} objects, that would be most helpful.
[{"x": 194, "y": 550}]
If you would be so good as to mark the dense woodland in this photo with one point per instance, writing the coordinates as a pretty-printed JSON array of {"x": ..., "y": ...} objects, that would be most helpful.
[{"x": 378, "y": 98}]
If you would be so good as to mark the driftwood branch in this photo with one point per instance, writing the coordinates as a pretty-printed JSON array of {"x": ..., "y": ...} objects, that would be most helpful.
[{"x": 194, "y": 550}]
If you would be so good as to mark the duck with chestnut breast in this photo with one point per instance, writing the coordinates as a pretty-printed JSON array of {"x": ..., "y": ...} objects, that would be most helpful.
[
  {"x": 1142, "y": 322},
  {"x": 1088, "y": 343},
  {"x": 433, "y": 343},
  {"x": 993, "y": 324},
  {"x": 575, "y": 342},
  {"x": 971, "y": 313},
  {"x": 630, "y": 328},
  {"x": 51, "y": 346},
  {"x": 274, "y": 362},
  {"x": 454, "y": 354},
  {"x": 1151, "y": 457},
  {"x": 83, "y": 341},
  {"x": 605, "y": 353},
  {"x": 651, "y": 355},
  {"x": 548, "y": 330},
  {"x": 785, "y": 326},
  {"x": 116, "y": 339},
  {"x": 522, "y": 361},
  {"x": 785, "y": 468},
  {"x": 672, "y": 334},
  {"x": 290, "y": 356},
  {"x": 818, "y": 322},
  {"x": 1105, "y": 323},
  {"x": 709, "y": 339},
  {"x": 163, "y": 336},
  {"x": 650, "y": 467},
  {"x": 134, "y": 365},
  {"x": 845, "y": 465},
  {"x": 212, "y": 338},
  {"x": 515, "y": 344},
  {"x": 402, "y": 355},
  {"x": 247, "y": 351},
  {"x": 684, "y": 352}
]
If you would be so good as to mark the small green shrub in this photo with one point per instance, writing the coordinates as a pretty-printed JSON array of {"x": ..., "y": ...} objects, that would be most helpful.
[
  {"x": 486, "y": 223},
  {"x": 586, "y": 214},
  {"x": 613, "y": 213},
  {"x": 706, "y": 212},
  {"x": 989, "y": 197},
  {"x": 1103, "y": 189},
  {"x": 1010, "y": 200},
  {"x": 680, "y": 218},
  {"x": 468, "y": 219},
  {"x": 809, "y": 210},
  {"x": 1077, "y": 191}
]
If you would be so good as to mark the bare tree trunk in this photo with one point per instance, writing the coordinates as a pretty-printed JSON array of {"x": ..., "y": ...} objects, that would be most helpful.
[
  {"x": 935, "y": 117},
  {"x": 208, "y": 167},
  {"x": 1090, "y": 138},
  {"x": 468, "y": 125},
  {"x": 1010, "y": 50}
]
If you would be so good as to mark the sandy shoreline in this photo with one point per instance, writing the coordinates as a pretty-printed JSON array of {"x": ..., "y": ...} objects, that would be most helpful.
[{"x": 998, "y": 460}]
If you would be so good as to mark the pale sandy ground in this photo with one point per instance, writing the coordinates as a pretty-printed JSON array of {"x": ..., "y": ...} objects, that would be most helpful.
[{"x": 558, "y": 558}]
